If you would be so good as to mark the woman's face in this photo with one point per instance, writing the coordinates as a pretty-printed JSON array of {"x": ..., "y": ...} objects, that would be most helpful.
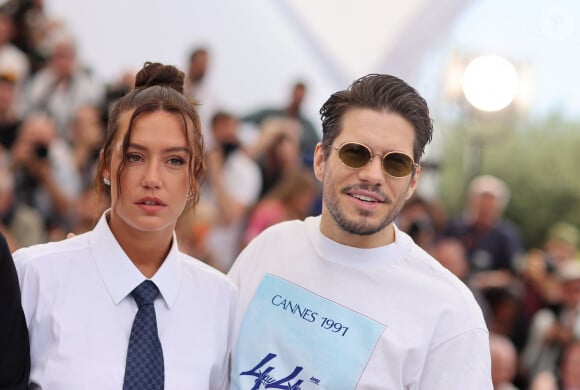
[{"x": 155, "y": 181}]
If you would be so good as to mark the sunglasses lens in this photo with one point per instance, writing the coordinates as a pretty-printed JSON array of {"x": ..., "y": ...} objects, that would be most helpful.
[
  {"x": 354, "y": 155},
  {"x": 398, "y": 164}
]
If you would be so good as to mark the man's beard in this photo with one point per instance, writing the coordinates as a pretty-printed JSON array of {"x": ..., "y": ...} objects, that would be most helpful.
[{"x": 359, "y": 224}]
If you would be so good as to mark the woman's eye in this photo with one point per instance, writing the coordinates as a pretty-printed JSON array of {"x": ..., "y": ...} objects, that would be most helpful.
[
  {"x": 131, "y": 157},
  {"x": 177, "y": 161}
]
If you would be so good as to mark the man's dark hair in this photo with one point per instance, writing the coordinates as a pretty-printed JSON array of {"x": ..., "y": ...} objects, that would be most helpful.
[{"x": 379, "y": 92}]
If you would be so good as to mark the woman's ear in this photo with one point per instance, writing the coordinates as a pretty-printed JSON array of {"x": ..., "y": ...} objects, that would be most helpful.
[{"x": 106, "y": 167}]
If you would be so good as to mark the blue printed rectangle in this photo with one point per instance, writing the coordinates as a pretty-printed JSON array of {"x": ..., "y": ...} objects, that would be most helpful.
[{"x": 292, "y": 338}]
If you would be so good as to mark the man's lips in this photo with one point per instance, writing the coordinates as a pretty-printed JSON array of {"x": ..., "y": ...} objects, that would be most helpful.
[{"x": 366, "y": 196}]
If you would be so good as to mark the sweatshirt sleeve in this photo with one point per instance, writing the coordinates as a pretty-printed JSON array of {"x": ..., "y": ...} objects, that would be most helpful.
[{"x": 464, "y": 362}]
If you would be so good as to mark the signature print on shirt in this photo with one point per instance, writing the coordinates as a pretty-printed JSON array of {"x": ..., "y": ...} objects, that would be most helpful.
[{"x": 288, "y": 320}]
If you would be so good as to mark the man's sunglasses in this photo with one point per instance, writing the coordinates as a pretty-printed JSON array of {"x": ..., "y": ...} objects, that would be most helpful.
[{"x": 355, "y": 155}]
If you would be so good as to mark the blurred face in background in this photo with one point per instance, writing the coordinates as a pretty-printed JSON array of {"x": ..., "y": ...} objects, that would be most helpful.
[
  {"x": 7, "y": 93},
  {"x": 485, "y": 209},
  {"x": 225, "y": 130},
  {"x": 503, "y": 363},
  {"x": 63, "y": 59},
  {"x": 198, "y": 65}
]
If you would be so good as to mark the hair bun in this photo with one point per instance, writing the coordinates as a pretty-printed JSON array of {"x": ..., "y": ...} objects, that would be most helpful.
[{"x": 155, "y": 73}]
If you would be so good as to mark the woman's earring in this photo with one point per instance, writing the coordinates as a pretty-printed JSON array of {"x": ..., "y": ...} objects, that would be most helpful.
[
  {"x": 189, "y": 195},
  {"x": 107, "y": 181}
]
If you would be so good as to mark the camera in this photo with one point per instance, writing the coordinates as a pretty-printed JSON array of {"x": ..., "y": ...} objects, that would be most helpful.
[{"x": 41, "y": 151}]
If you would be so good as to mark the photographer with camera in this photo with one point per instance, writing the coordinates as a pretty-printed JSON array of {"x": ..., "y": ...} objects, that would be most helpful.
[{"x": 46, "y": 177}]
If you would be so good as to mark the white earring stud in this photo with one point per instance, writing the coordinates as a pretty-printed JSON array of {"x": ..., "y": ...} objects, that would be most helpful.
[{"x": 107, "y": 181}]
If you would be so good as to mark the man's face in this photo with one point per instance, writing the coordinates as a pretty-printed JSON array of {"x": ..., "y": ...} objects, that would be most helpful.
[
  {"x": 359, "y": 205},
  {"x": 486, "y": 209},
  {"x": 63, "y": 60}
]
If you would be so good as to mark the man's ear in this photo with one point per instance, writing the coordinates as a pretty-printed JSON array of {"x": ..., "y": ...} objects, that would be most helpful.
[
  {"x": 414, "y": 183},
  {"x": 319, "y": 162}
]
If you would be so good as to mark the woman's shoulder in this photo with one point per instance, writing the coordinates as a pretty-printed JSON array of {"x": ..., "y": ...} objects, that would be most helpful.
[
  {"x": 50, "y": 252},
  {"x": 204, "y": 273}
]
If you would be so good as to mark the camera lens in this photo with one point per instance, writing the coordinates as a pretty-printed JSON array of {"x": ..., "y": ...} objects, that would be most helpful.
[{"x": 41, "y": 151}]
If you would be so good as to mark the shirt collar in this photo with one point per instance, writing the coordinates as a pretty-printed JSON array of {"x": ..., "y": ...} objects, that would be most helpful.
[
  {"x": 345, "y": 254},
  {"x": 120, "y": 274}
]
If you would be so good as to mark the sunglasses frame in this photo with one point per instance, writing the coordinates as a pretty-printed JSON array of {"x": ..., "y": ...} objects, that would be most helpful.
[{"x": 372, "y": 155}]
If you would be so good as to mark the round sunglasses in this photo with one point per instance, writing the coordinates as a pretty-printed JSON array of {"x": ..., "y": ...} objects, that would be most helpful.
[{"x": 355, "y": 155}]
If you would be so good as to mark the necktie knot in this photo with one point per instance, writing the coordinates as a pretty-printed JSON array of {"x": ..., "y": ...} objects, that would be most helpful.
[{"x": 145, "y": 293}]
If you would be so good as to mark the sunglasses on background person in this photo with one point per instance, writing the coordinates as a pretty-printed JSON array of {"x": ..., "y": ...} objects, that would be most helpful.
[{"x": 356, "y": 155}]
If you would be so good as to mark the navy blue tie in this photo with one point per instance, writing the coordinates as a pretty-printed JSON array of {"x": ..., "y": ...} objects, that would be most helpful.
[{"x": 144, "y": 367}]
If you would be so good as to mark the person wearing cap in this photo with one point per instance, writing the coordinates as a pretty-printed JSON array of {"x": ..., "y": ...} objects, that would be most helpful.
[
  {"x": 12, "y": 59},
  {"x": 492, "y": 242}
]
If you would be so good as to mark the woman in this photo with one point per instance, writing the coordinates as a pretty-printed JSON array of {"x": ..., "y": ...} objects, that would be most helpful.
[
  {"x": 83, "y": 296},
  {"x": 292, "y": 198}
]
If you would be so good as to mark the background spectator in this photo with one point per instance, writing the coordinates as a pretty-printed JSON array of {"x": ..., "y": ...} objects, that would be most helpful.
[
  {"x": 307, "y": 132},
  {"x": 46, "y": 176},
  {"x": 20, "y": 224},
  {"x": 552, "y": 329},
  {"x": 198, "y": 88},
  {"x": 292, "y": 198},
  {"x": 62, "y": 86},
  {"x": 232, "y": 187},
  {"x": 492, "y": 242},
  {"x": 504, "y": 362}
]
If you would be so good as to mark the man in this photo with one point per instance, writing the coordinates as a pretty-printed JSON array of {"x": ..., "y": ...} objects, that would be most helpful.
[
  {"x": 232, "y": 188},
  {"x": 199, "y": 88},
  {"x": 62, "y": 86},
  {"x": 345, "y": 300},
  {"x": 504, "y": 362},
  {"x": 46, "y": 177},
  {"x": 20, "y": 224},
  {"x": 292, "y": 110},
  {"x": 492, "y": 242}
]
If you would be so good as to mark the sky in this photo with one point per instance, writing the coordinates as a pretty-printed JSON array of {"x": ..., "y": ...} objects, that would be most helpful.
[
  {"x": 540, "y": 35},
  {"x": 259, "y": 47}
]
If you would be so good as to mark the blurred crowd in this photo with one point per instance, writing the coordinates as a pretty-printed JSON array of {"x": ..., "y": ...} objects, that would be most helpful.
[
  {"x": 530, "y": 297},
  {"x": 53, "y": 116}
]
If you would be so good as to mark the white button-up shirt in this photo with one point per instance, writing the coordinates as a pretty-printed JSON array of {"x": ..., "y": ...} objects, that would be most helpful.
[{"x": 77, "y": 302}]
